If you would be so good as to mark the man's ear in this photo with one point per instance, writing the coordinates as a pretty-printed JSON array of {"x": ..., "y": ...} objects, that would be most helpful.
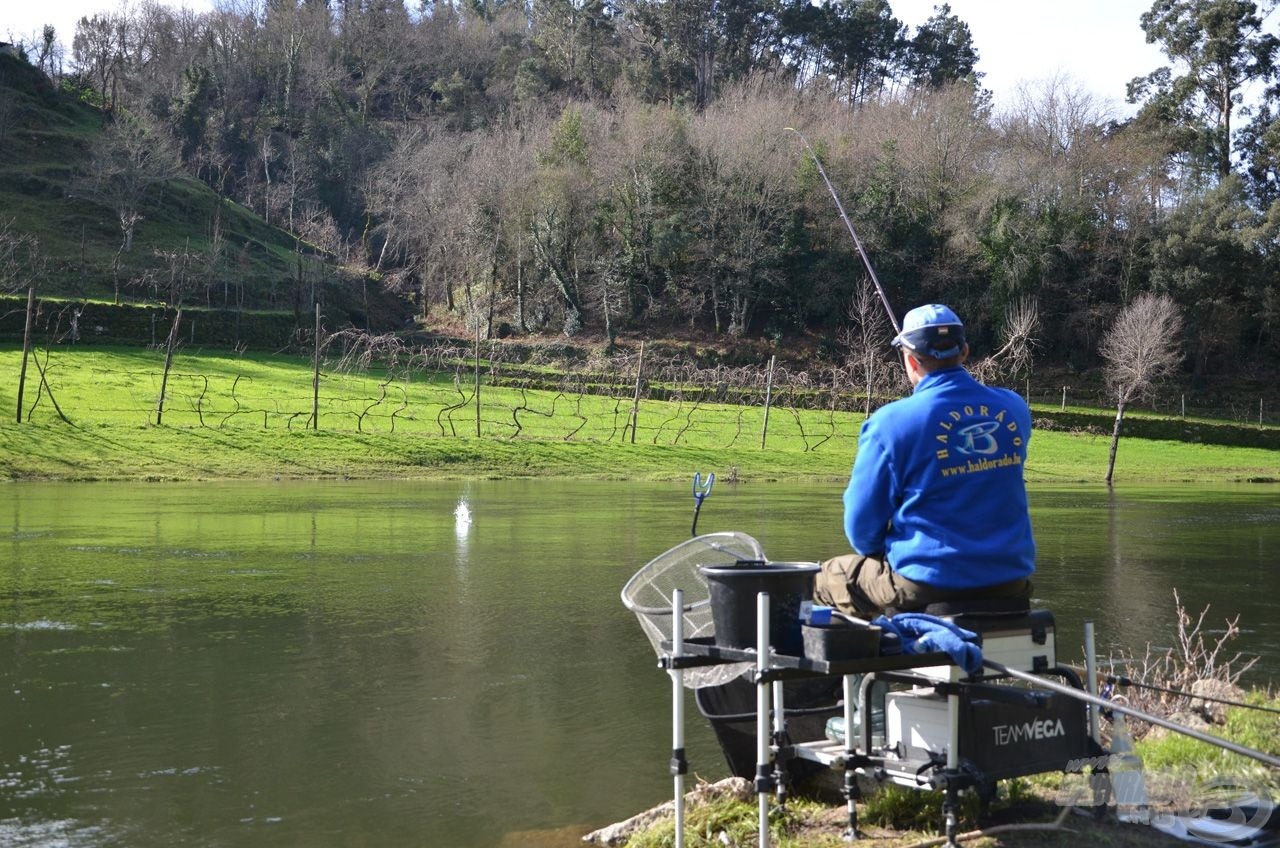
[{"x": 910, "y": 362}]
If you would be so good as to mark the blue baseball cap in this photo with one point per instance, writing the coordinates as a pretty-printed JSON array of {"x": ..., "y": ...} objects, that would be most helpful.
[{"x": 933, "y": 330}]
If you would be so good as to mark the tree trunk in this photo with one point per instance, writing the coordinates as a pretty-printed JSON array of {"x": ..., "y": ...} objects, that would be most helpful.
[
  {"x": 1224, "y": 156},
  {"x": 715, "y": 303},
  {"x": 1115, "y": 441},
  {"x": 609, "y": 334},
  {"x": 520, "y": 322},
  {"x": 477, "y": 392},
  {"x": 870, "y": 372}
]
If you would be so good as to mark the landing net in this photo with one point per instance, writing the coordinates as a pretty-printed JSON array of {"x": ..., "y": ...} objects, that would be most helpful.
[{"x": 650, "y": 590}]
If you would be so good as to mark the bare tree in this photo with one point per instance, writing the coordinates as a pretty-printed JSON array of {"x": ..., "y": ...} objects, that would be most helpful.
[
  {"x": 96, "y": 53},
  {"x": 178, "y": 265},
  {"x": 744, "y": 188},
  {"x": 132, "y": 158},
  {"x": 1017, "y": 341},
  {"x": 416, "y": 196},
  {"x": 867, "y": 339},
  {"x": 1141, "y": 348},
  {"x": 21, "y": 261}
]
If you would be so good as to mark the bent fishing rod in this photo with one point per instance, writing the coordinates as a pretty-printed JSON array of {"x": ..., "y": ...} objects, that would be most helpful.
[{"x": 857, "y": 242}]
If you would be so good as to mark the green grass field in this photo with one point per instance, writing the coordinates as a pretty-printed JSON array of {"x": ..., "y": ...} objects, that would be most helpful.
[{"x": 228, "y": 416}]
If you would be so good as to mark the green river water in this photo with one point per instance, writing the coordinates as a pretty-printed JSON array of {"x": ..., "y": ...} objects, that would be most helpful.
[{"x": 352, "y": 664}]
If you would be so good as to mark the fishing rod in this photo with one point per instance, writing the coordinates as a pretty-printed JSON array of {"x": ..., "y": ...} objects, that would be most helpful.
[
  {"x": 857, "y": 242},
  {"x": 1138, "y": 714}
]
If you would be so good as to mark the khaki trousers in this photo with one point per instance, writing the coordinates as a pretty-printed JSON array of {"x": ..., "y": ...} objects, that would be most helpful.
[{"x": 866, "y": 586}]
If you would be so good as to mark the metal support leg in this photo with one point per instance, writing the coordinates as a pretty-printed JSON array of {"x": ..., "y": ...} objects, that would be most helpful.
[
  {"x": 764, "y": 779},
  {"x": 868, "y": 711},
  {"x": 950, "y": 808},
  {"x": 852, "y": 692},
  {"x": 678, "y": 764},
  {"x": 951, "y": 803},
  {"x": 780, "y": 743}
]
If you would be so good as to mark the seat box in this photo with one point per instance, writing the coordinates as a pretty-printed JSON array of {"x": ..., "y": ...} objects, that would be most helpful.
[{"x": 1024, "y": 642}]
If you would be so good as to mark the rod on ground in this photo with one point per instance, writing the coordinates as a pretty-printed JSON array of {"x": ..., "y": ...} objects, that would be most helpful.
[{"x": 857, "y": 242}]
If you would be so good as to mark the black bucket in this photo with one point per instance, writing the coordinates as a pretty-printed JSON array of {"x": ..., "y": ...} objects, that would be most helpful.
[{"x": 733, "y": 590}]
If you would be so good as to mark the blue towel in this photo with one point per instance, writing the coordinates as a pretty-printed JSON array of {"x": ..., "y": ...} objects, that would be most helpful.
[{"x": 923, "y": 634}]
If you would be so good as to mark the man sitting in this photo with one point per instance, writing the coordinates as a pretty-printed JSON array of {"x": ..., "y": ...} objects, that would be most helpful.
[{"x": 936, "y": 507}]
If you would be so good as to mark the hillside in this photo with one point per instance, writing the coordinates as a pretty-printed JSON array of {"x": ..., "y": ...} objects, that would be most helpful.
[{"x": 210, "y": 251}]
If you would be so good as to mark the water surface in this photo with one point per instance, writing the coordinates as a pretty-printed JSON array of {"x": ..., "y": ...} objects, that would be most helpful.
[{"x": 446, "y": 663}]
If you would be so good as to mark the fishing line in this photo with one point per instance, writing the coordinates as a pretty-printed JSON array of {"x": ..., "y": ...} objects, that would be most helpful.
[
  {"x": 1124, "y": 681},
  {"x": 857, "y": 242}
]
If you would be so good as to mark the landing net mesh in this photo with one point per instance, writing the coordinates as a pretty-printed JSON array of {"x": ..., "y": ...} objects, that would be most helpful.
[{"x": 650, "y": 590}]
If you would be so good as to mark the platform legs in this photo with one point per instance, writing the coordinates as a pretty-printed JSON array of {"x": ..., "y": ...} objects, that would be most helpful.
[
  {"x": 852, "y": 693},
  {"x": 764, "y": 770},
  {"x": 679, "y": 766},
  {"x": 951, "y": 804}
]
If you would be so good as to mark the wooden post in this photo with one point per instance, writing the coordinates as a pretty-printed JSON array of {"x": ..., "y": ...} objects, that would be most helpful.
[
  {"x": 1064, "y": 398},
  {"x": 26, "y": 345},
  {"x": 1259, "y": 413},
  {"x": 768, "y": 398},
  {"x": 635, "y": 404},
  {"x": 477, "y": 376},
  {"x": 315, "y": 378},
  {"x": 168, "y": 361},
  {"x": 1184, "y": 406}
]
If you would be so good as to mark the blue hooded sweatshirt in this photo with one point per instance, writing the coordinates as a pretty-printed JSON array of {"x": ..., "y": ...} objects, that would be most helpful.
[{"x": 937, "y": 484}]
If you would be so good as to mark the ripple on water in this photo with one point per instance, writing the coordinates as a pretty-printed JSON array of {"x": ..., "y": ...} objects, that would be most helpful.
[
  {"x": 38, "y": 624},
  {"x": 193, "y": 553},
  {"x": 65, "y": 833}
]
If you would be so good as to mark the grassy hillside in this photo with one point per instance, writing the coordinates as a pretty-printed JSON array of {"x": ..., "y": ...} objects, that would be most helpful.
[
  {"x": 45, "y": 140},
  {"x": 229, "y": 416}
]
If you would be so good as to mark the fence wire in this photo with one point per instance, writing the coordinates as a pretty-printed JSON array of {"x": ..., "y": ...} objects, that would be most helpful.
[{"x": 375, "y": 386}]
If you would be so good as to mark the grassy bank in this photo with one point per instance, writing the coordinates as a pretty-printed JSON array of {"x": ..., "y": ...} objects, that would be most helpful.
[{"x": 228, "y": 416}]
